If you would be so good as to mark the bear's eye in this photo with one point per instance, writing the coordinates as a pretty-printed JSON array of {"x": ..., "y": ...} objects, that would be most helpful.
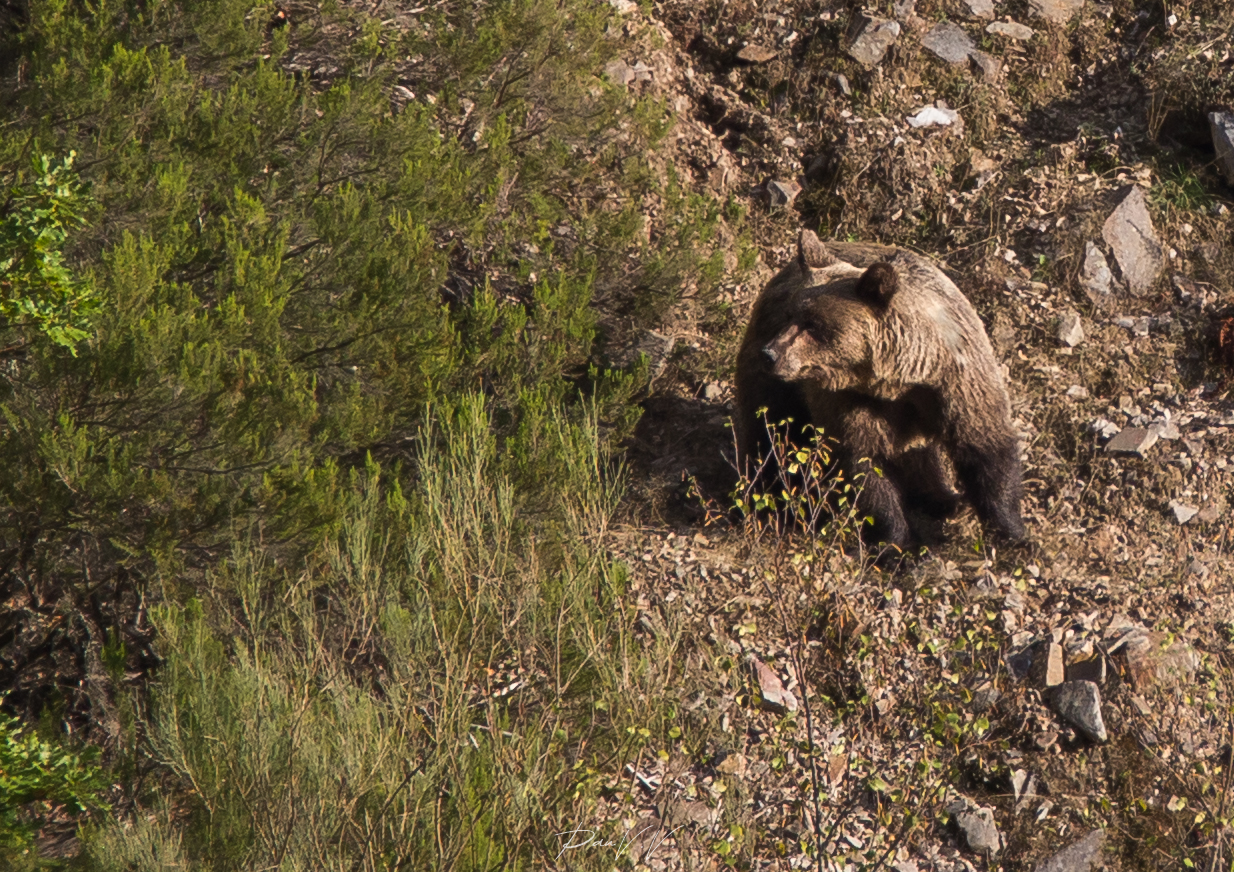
[{"x": 821, "y": 332}]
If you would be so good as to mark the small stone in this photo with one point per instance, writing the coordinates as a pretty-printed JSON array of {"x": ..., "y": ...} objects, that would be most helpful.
[
  {"x": 980, "y": 8},
  {"x": 977, "y": 825},
  {"x": 620, "y": 72},
  {"x": 676, "y": 812},
  {"x": 1027, "y": 794},
  {"x": 904, "y": 9},
  {"x": 756, "y": 54},
  {"x": 1208, "y": 514},
  {"x": 1058, "y": 11},
  {"x": 656, "y": 346},
  {"x": 1077, "y": 392},
  {"x": 1070, "y": 331},
  {"x": 949, "y": 42},
  {"x": 1079, "y": 703},
  {"x": 841, "y": 81},
  {"x": 713, "y": 392},
  {"x": 782, "y": 193},
  {"x": 1183, "y": 513},
  {"x": 1018, "y": 780},
  {"x": 1080, "y": 856},
  {"x": 1132, "y": 440},
  {"x": 1165, "y": 430},
  {"x": 1047, "y": 668},
  {"x": 991, "y": 67},
  {"x": 870, "y": 37},
  {"x": 1129, "y": 233},
  {"x": 1089, "y": 669},
  {"x": 623, "y": 7},
  {"x": 1095, "y": 277},
  {"x": 985, "y": 698},
  {"x": 931, "y": 116},
  {"x": 1045, "y": 741},
  {"x": 1010, "y": 29},
  {"x": 733, "y": 764},
  {"x": 1222, "y": 126},
  {"x": 774, "y": 696}
]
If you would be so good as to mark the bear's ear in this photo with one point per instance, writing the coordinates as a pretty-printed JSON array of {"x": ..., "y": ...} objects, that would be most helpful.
[
  {"x": 878, "y": 285},
  {"x": 811, "y": 253}
]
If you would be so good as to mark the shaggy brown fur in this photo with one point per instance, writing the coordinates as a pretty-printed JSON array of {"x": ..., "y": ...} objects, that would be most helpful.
[{"x": 878, "y": 349}]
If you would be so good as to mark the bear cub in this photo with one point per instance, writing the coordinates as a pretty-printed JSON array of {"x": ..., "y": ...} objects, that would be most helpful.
[{"x": 879, "y": 350}]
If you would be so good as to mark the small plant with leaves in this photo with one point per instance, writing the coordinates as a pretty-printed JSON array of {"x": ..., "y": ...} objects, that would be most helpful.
[
  {"x": 34, "y": 776},
  {"x": 796, "y": 485},
  {"x": 37, "y": 289}
]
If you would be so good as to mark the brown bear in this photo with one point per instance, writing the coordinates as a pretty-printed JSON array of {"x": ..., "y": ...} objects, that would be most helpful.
[{"x": 879, "y": 350}]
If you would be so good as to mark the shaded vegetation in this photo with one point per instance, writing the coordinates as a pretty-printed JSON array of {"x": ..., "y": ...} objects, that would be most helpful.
[{"x": 314, "y": 508}]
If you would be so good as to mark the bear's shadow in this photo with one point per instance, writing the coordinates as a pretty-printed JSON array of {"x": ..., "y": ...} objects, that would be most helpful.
[{"x": 681, "y": 457}]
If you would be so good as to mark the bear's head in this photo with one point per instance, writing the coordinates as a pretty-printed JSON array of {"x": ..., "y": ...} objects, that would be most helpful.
[{"x": 830, "y": 332}]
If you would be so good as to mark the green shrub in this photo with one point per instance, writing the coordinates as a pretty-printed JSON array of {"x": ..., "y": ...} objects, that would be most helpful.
[
  {"x": 36, "y": 775},
  {"x": 403, "y": 699},
  {"x": 339, "y": 419},
  {"x": 37, "y": 290}
]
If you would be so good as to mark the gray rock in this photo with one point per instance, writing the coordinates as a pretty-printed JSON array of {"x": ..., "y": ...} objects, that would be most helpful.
[
  {"x": 870, "y": 37},
  {"x": 1138, "y": 326},
  {"x": 623, "y": 73},
  {"x": 1058, "y": 11},
  {"x": 841, "y": 81},
  {"x": 756, "y": 54},
  {"x": 713, "y": 392},
  {"x": 1010, "y": 29},
  {"x": 1077, "y": 857},
  {"x": 980, "y": 8},
  {"x": 1152, "y": 659},
  {"x": 655, "y": 345},
  {"x": 1018, "y": 779},
  {"x": 904, "y": 9},
  {"x": 619, "y": 72},
  {"x": 1095, "y": 277},
  {"x": 949, "y": 42},
  {"x": 782, "y": 193},
  {"x": 1183, "y": 513},
  {"x": 1070, "y": 331},
  {"x": 985, "y": 699},
  {"x": 1132, "y": 440},
  {"x": 1165, "y": 430},
  {"x": 1079, "y": 703},
  {"x": 991, "y": 67},
  {"x": 1130, "y": 235},
  {"x": 976, "y": 823},
  {"x": 1222, "y": 126}
]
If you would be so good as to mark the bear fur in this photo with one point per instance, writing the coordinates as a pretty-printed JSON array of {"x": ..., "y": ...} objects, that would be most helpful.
[{"x": 879, "y": 350}]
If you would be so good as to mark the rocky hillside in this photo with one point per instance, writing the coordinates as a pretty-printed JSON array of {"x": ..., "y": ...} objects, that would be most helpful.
[
  {"x": 379, "y": 514},
  {"x": 976, "y": 708}
]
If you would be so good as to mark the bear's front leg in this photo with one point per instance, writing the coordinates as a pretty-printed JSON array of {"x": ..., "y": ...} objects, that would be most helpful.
[
  {"x": 880, "y": 499},
  {"x": 991, "y": 478}
]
